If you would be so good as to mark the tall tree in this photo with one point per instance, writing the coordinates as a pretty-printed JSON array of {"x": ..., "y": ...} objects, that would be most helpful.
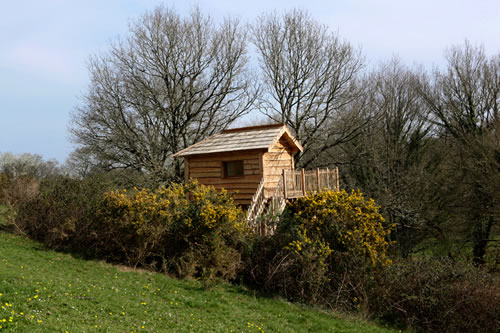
[
  {"x": 309, "y": 76},
  {"x": 172, "y": 82},
  {"x": 465, "y": 104},
  {"x": 388, "y": 160}
]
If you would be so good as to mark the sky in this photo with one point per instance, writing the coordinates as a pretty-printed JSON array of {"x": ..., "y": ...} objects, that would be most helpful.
[{"x": 45, "y": 46}]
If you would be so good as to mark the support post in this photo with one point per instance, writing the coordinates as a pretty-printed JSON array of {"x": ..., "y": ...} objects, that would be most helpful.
[
  {"x": 303, "y": 181},
  {"x": 284, "y": 183},
  {"x": 337, "y": 180},
  {"x": 317, "y": 179},
  {"x": 327, "y": 178}
]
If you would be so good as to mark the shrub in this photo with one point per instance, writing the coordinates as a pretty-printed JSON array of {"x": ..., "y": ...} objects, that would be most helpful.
[
  {"x": 16, "y": 193},
  {"x": 339, "y": 222},
  {"x": 188, "y": 230},
  {"x": 4, "y": 183},
  {"x": 317, "y": 242},
  {"x": 63, "y": 214},
  {"x": 438, "y": 295}
]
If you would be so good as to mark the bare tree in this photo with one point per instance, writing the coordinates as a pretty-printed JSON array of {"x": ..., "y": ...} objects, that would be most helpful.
[
  {"x": 465, "y": 99},
  {"x": 310, "y": 79},
  {"x": 27, "y": 165},
  {"x": 389, "y": 157},
  {"x": 465, "y": 104},
  {"x": 172, "y": 82}
]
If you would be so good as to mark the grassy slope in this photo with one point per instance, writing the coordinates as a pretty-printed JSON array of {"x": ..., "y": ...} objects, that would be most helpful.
[{"x": 46, "y": 291}]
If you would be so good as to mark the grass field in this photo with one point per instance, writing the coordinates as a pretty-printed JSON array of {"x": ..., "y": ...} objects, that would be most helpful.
[{"x": 47, "y": 291}]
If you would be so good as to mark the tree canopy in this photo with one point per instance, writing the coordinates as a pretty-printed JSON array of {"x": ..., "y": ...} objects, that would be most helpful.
[{"x": 172, "y": 82}]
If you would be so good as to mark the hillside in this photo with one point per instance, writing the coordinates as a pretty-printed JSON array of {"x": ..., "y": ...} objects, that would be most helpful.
[{"x": 47, "y": 291}]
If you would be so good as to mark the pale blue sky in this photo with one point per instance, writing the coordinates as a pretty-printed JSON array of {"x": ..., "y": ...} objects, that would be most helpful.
[{"x": 44, "y": 46}]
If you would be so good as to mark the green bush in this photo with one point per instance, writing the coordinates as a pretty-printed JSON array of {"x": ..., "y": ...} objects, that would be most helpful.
[
  {"x": 4, "y": 183},
  {"x": 317, "y": 241},
  {"x": 63, "y": 214},
  {"x": 436, "y": 295}
]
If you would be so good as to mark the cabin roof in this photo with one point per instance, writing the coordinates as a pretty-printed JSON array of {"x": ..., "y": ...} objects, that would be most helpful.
[{"x": 245, "y": 138}]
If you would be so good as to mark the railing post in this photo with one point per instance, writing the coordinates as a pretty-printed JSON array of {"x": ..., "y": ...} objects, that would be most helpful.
[
  {"x": 327, "y": 178},
  {"x": 337, "y": 180},
  {"x": 317, "y": 179},
  {"x": 303, "y": 181},
  {"x": 284, "y": 183}
]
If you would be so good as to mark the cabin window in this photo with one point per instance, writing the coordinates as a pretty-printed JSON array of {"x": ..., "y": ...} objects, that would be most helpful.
[{"x": 233, "y": 169}]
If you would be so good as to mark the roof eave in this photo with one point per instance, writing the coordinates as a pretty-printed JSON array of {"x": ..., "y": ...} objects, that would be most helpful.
[{"x": 295, "y": 143}]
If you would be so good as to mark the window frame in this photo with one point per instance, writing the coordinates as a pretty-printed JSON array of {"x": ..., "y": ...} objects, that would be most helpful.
[{"x": 225, "y": 165}]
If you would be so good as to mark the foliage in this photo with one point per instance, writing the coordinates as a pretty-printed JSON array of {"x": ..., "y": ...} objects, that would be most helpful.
[
  {"x": 62, "y": 214},
  {"x": 318, "y": 239},
  {"x": 190, "y": 230},
  {"x": 338, "y": 221},
  {"x": 187, "y": 230},
  {"x": 27, "y": 165},
  {"x": 391, "y": 159},
  {"x": 464, "y": 101},
  {"x": 432, "y": 294},
  {"x": 4, "y": 183}
]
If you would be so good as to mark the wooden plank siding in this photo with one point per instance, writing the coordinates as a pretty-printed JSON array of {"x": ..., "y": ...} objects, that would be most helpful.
[
  {"x": 208, "y": 170},
  {"x": 279, "y": 157}
]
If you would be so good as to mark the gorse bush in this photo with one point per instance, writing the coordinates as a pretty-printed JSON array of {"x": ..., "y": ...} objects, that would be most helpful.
[
  {"x": 318, "y": 240},
  {"x": 339, "y": 222},
  {"x": 188, "y": 230},
  {"x": 331, "y": 248}
]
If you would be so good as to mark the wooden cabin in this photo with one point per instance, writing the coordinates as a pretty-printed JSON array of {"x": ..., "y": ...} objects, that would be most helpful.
[{"x": 239, "y": 159}]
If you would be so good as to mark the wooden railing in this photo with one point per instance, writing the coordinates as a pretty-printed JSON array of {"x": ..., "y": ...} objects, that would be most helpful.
[
  {"x": 257, "y": 205},
  {"x": 299, "y": 182},
  {"x": 292, "y": 184}
]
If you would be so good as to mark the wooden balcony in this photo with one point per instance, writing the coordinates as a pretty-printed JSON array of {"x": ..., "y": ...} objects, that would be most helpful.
[
  {"x": 291, "y": 185},
  {"x": 297, "y": 183}
]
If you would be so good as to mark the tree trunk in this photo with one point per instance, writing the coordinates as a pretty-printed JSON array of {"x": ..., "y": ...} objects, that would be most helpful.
[{"x": 480, "y": 237}]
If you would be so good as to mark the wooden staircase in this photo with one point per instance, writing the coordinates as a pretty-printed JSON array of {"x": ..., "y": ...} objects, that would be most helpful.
[{"x": 292, "y": 184}]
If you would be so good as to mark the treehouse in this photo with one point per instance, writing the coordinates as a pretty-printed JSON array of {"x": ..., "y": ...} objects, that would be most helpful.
[
  {"x": 239, "y": 159},
  {"x": 256, "y": 165}
]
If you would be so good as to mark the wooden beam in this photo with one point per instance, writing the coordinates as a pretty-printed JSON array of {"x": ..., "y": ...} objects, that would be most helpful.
[
  {"x": 317, "y": 178},
  {"x": 303, "y": 181},
  {"x": 186, "y": 170},
  {"x": 337, "y": 180},
  {"x": 327, "y": 178},
  {"x": 284, "y": 183}
]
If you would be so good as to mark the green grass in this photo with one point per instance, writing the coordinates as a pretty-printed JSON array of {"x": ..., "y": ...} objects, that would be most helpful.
[{"x": 47, "y": 291}]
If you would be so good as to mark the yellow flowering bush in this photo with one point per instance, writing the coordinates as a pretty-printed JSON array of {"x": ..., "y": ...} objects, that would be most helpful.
[
  {"x": 324, "y": 242},
  {"x": 188, "y": 230},
  {"x": 343, "y": 222}
]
